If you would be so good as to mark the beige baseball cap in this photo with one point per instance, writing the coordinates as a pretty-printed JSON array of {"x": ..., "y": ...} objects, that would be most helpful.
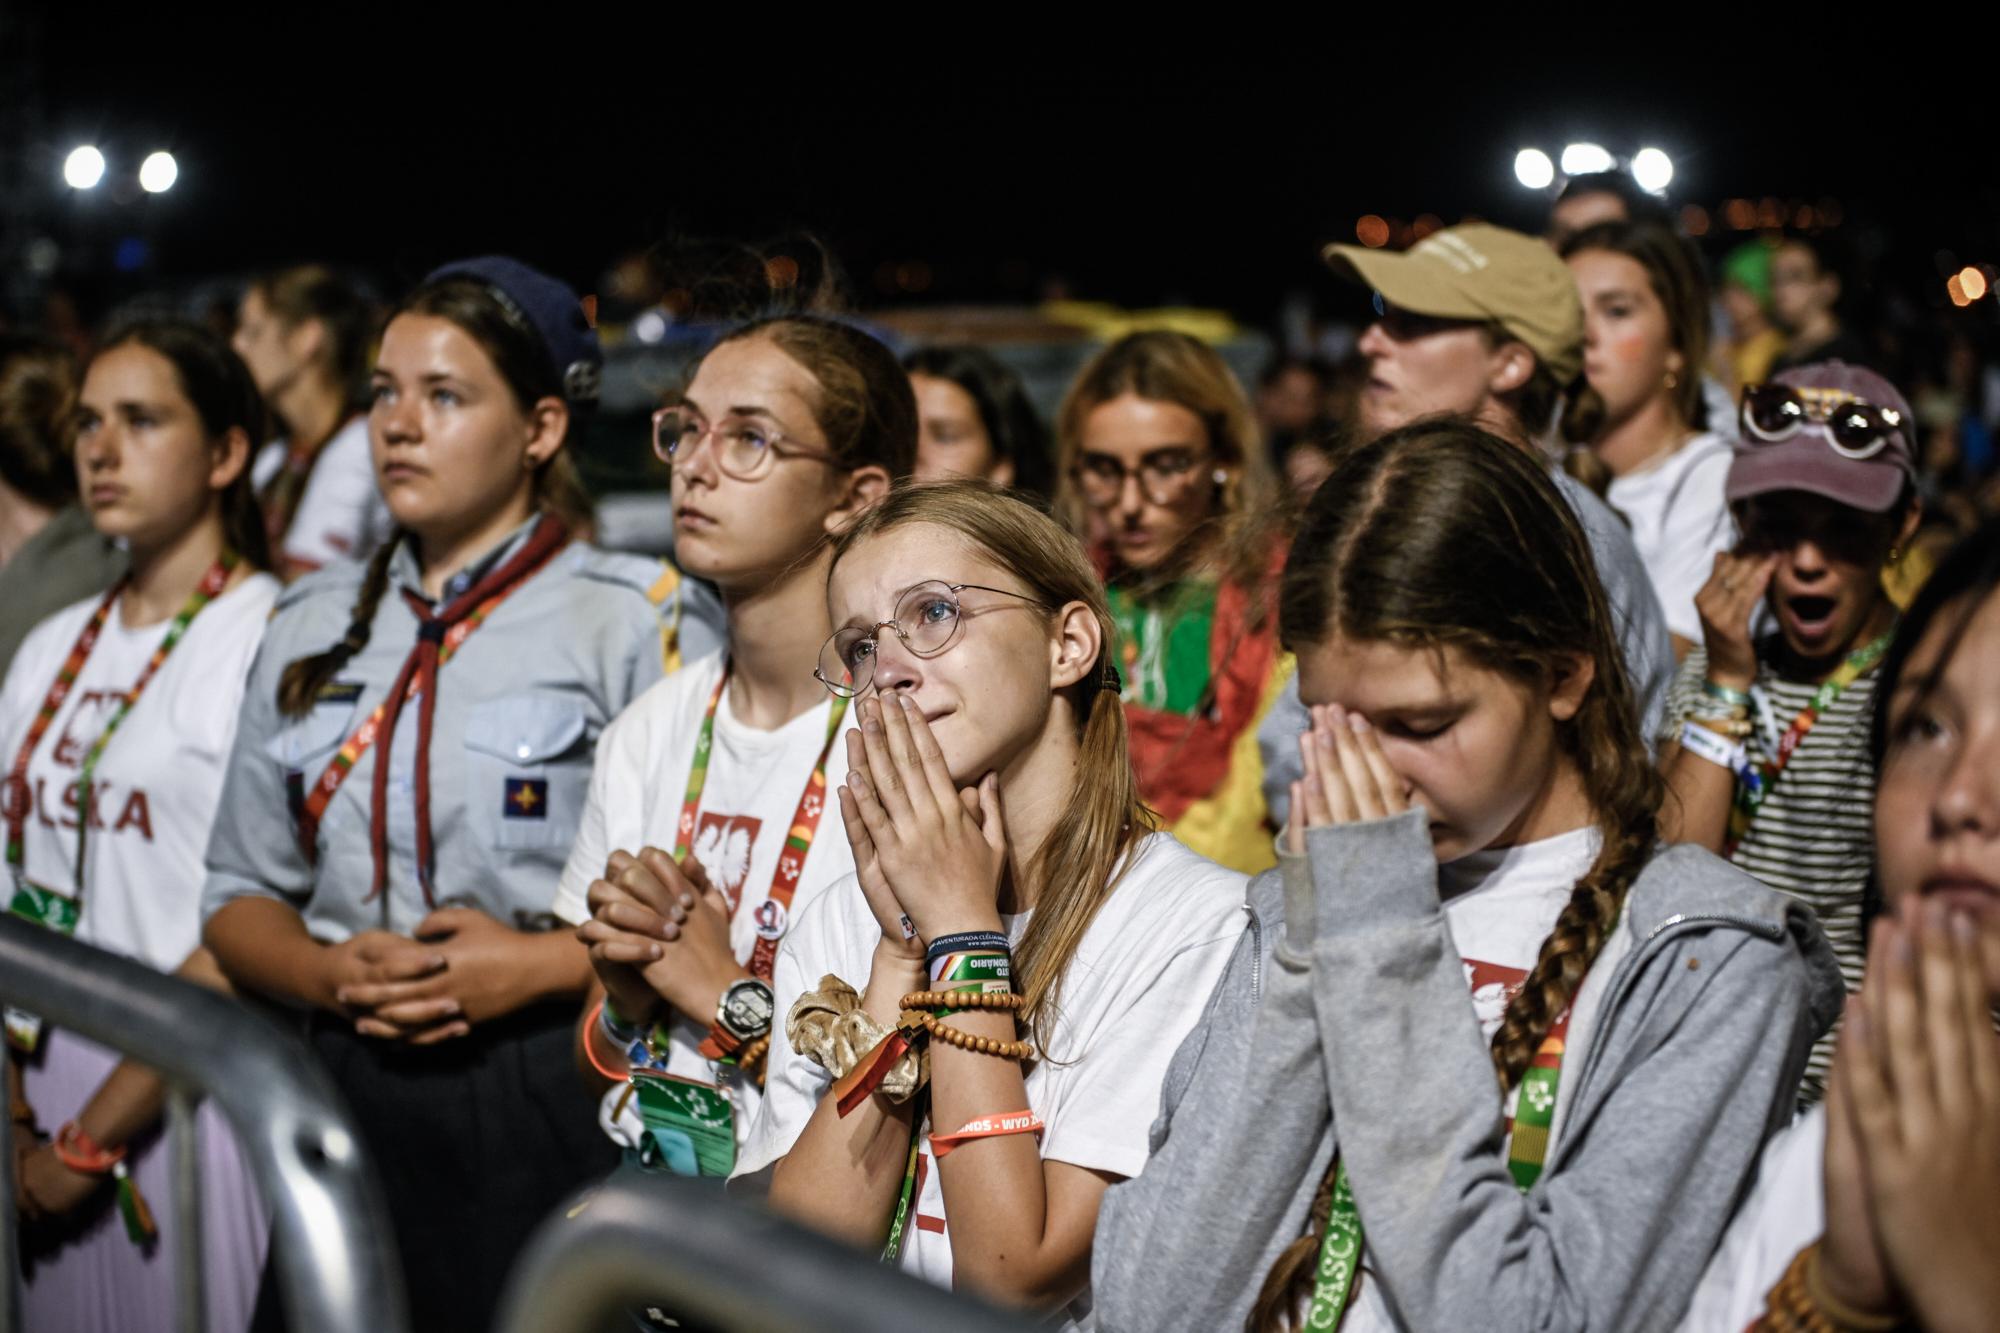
[{"x": 1479, "y": 271}]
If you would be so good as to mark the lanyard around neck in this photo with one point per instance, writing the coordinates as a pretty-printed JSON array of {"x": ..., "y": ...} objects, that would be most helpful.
[
  {"x": 1757, "y": 781},
  {"x": 798, "y": 836},
  {"x": 18, "y": 801}
]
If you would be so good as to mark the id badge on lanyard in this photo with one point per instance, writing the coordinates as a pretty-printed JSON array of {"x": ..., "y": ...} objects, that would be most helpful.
[
  {"x": 690, "y": 1125},
  {"x": 53, "y": 911}
]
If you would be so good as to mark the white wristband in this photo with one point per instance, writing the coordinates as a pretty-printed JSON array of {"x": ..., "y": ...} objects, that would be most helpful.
[{"x": 1699, "y": 740}]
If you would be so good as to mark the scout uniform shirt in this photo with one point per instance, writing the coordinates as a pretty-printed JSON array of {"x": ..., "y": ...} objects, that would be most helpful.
[{"x": 518, "y": 711}]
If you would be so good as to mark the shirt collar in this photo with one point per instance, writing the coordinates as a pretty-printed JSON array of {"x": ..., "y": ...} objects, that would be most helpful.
[{"x": 408, "y": 575}]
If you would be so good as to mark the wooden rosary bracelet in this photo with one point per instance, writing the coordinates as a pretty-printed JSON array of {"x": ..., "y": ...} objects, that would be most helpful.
[
  {"x": 966, "y": 1041},
  {"x": 964, "y": 999}
]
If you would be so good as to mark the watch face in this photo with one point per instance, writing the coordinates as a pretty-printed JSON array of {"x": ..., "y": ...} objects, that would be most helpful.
[{"x": 747, "y": 1008}]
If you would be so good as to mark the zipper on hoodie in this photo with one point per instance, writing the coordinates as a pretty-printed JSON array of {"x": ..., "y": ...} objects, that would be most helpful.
[
  {"x": 1256, "y": 958},
  {"x": 1629, "y": 969}
]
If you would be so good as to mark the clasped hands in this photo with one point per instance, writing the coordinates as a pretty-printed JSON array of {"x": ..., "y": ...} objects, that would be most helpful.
[{"x": 1347, "y": 777}]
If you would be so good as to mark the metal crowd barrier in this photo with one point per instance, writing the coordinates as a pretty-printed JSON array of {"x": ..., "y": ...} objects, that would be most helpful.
[
  {"x": 335, "y": 1261},
  {"x": 685, "y": 1246}
]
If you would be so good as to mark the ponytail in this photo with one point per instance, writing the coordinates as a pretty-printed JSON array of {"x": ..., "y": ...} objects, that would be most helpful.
[{"x": 304, "y": 678}]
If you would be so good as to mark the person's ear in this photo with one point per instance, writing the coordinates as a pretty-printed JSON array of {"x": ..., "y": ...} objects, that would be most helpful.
[
  {"x": 306, "y": 340},
  {"x": 1002, "y": 473},
  {"x": 1513, "y": 364},
  {"x": 1830, "y": 287},
  {"x": 548, "y": 425},
  {"x": 1913, "y": 518},
  {"x": 1074, "y": 650},
  {"x": 232, "y": 458},
  {"x": 1574, "y": 674},
  {"x": 859, "y": 490}
]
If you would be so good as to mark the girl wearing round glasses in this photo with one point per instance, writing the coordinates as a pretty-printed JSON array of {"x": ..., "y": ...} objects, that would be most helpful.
[
  {"x": 1766, "y": 744},
  {"x": 1001, "y": 847},
  {"x": 703, "y": 836},
  {"x": 1161, "y": 467}
]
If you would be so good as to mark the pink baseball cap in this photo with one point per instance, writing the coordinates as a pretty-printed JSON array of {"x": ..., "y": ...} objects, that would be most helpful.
[{"x": 1807, "y": 458}]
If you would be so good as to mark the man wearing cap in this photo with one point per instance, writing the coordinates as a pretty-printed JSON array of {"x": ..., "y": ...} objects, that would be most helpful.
[
  {"x": 1485, "y": 323},
  {"x": 1766, "y": 744}
]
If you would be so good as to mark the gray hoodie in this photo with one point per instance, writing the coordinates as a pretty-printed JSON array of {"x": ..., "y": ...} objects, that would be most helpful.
[{"x": 1346, "y": 1005}]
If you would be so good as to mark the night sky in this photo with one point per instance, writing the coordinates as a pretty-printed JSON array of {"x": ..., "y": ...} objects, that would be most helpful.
[{"x": 1139, "y": 172}]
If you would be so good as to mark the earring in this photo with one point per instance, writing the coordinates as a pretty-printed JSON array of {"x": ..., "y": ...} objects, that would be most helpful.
[
  {"x": 1673, "y": 380},
  {"x": 1895, "y": 554},
  {"x": 1222, "y": 476}
]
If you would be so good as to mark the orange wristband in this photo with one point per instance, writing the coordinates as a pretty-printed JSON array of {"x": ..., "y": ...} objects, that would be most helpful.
[
  {"x": 591, "y": 1028},
  {"x": 80, "y": 1153},
  {"x": 987, "y": 1127}
]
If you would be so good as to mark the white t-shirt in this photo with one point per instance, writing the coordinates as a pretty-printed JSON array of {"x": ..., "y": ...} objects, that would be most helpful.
[
  {"x": 159, "y": 781},
  {"x": 1140, "y": 979},
  {"x": 1500, "y": 906},
  {"x": 341, "y": 514},
  {"x": 755, "y": 779},
  {"x": 1679, "y": 521},
  {"x": 1783, "y": 1214}
]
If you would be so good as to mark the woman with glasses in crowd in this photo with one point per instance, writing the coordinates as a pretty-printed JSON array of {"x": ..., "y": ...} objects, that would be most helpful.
[
  {"x": 1766, "y": 742},
  {"x": 1001, "y": 849},
  {"x": 1162, "y": 472},
  {"x": 704, "y": 836}
]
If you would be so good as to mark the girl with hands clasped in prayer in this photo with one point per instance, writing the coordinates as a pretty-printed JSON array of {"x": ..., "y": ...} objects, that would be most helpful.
[
  {"x": 1027, "y": 953},
  {"x": 706, "y": 834},
  {"x": 1880, "y": 1208},
  {"x": 409, "y": 772},
  {"x": 1351, "y": 1139}
]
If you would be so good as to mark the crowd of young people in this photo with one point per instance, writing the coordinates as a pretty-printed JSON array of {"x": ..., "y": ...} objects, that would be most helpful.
[{"x": 888, "y": 853}]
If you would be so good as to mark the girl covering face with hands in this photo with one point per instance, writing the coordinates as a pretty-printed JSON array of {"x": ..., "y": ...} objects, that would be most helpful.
[
  {"x": 1877, "y": 1208},
  {"x": 1488, "y": 1055},
  {"x": 1003, "y": 861}
]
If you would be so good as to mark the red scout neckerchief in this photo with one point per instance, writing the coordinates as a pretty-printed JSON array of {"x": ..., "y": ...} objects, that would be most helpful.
[{"x": 439, "y": 635}]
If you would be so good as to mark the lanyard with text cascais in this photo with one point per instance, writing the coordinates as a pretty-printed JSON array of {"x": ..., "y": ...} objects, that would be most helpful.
[
  {"x": 1527, "y": 1149},
  {"x": 798, "y": 836},
  {"x": 36, "y": 904},
  {"x": 1758, "y": 781}
]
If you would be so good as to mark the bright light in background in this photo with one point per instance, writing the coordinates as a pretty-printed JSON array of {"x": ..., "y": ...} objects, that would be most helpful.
[
  {"x": 1972, "y": 282},
  {"x": 1584, "y": 159},
  {"x": 1653, "y": 169},
  {"x": 83, "y": 168},
  {"x": 1533, "y": 169},
  {"x": 158, "y": 173}
]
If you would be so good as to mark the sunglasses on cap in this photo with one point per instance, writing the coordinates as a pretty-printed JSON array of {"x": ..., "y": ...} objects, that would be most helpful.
[{"x": 1854, "y": 429}]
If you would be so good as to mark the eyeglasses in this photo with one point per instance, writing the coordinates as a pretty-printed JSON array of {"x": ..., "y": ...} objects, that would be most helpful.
[
  {"x": 745, "y": 448},
  {"x": 1854, "y": 429},
  {"x": 1407, "y": 325},
  {"x": 928, "y": 618},
  {"x": 1164, "y": 476}
]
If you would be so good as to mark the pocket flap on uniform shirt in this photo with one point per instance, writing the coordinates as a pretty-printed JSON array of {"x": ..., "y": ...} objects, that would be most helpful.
[
  {"x": 314, "y": 737},
  {"x": 525, "y": 728}
]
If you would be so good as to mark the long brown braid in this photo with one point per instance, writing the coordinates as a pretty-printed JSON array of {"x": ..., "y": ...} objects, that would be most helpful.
[{"x": 1442, "y": 535}]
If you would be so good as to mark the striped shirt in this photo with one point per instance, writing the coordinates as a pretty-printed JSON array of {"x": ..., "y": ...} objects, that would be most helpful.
[{"x": 1814, "y": 834}]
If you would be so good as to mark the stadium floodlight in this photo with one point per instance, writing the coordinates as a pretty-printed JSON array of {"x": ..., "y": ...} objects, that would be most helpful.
[
  {"x": 1533, "y": 169},
  {"x": 158, "y": 173},
  {"x": 1585, "y": 159},
  {"x": 83, "y": 168},
  {"x": 1653, "y": 170}
]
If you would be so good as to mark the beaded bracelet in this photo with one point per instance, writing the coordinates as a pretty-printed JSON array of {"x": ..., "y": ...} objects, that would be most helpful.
[
  {"x": 967, "y": 1041},
  {"x": 950, "y": 1000}
]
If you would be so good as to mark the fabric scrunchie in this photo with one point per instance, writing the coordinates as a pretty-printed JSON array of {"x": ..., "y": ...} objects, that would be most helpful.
[{"x": 829, "y": 1027}]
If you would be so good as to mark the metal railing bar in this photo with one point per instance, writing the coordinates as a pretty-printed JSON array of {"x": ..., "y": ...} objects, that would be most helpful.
[
  {"x": 705, "y": 1256},
  {"x": 189, "y": 1293},
  {"x": 331, "y": 1242},
  {"x": 10, "y": 1236}
]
